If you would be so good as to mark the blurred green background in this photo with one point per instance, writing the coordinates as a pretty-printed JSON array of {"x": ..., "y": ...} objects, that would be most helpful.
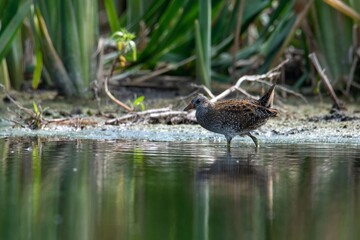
[{"x": 68, "y": 45}]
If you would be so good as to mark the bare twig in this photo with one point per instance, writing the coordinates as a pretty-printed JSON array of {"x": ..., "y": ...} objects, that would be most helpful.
[
  {"x": 119, "y": 103},
  {"x": 273, "y": 73},
  {"x": 16, "y": 122},
  {"x": 133, "y": 115},
  {"x": 354, "y": 57},
  {"x": 166, "y": 114},
  {"x": 285, "y": 90},
  {"x": 161, "y": 115},
  {"x": 26, "y": 110},
  {"x": 245, "y": 93},
  {"x": 355, "y": 85},
  {"x": 351, "y": 75},
  {"x": 236, "y": 87},
  {"x": 204, "y": 88},
  {"x": 326, "y": 81}
]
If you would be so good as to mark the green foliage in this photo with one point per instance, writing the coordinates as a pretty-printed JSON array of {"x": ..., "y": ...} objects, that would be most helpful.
[
  {"x": 112, "y": 15},
  {"x": 65, "y": 40},
  {"x": 72, "y": 30},
  {"x": 333, "y": 43},
  {"x": 36, "y": 121},
  {"x": 171, "y": 37},
  {"x": 12, "y": 15},
  {"x": 139, "y": 101},
  {"x": 4, "y": 75},
  {"x": 203, "y": 33},
  {"x": 125, "y": 44},
  {"x": 38, "y": 69},
  {"x": 228, "y": 38}
]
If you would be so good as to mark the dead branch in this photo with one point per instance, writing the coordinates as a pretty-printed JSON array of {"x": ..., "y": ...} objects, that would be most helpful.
[
  {"x": 204, "y": 88},
  {"x": 236, "y": 87},
  {"x": 108, "y": 93},
  {"x": 273, "y": 73},
  {"x": 326, "y": 81},
  {"x": 354, "y": 57},
  {"x": 134, "y": 115},
  {"x": 37, "y": 121},
  {"x": 24, "y": 109},
  {"x": 285, "y": 90},
  {"x": 74, "y": 122},
  {"x": 161, "y": 115},
  {"x": 16, "y": 122}
]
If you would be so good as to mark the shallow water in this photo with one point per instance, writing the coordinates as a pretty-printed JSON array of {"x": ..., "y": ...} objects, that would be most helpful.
[{"x": 169, "y": 190}]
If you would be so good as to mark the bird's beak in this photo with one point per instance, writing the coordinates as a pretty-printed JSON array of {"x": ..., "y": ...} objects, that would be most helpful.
[{"x": 188, "y": 107}]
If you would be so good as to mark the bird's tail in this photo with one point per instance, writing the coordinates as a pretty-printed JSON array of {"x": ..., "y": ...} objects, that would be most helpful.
[{"x": 268, "y": 98}]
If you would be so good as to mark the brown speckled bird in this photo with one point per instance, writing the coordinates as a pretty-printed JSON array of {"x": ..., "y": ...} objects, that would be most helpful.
[{"x": 234, "y": 117}]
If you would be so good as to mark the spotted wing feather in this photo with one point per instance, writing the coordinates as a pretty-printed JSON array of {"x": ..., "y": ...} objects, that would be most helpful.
[{"x": 242, "y": 116}]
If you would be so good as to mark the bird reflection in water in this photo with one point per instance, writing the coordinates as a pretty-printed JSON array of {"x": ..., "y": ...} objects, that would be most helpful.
[{"x": 235, "y": 189}]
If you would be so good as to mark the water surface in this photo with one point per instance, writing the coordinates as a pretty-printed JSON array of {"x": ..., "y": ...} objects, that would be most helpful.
[{"x": 54, "y": 189}]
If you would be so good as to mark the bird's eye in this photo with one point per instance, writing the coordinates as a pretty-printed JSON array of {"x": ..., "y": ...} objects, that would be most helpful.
[{"x": 197, "y": 101}]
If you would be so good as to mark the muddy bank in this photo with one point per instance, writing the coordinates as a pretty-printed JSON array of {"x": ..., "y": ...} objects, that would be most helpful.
[
  {"x": 275, "y": 131},
  {"x": 299, "y": 122}
]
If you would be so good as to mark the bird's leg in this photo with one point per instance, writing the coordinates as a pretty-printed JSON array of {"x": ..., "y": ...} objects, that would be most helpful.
[
  {"x": 228, "y": 140},
  {"x": 254, "y": 139}
]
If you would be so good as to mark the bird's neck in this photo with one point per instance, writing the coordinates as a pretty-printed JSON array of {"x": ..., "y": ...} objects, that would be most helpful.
[{"x": 206, "y": 109}]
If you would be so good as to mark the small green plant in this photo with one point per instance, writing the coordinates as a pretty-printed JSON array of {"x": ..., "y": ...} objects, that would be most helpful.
[
  {"x": 139, "y": 101},
  {"x": 36, "y": 121},
  {"x": 125, "y": 45}
]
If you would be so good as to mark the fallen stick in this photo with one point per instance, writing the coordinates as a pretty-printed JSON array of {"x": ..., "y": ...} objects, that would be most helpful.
[
  {"x": 167, "y": 114},
  {"x": 237, "y": 87},
  {"x": 326, "y": 81},
  {"x": 285, "y": 90},
  {"x": 28, "y": 111},
  {"x": 136, "y": 115},
  {"x": 108, "y": 93},
  {"x": 273, "y": 73}
]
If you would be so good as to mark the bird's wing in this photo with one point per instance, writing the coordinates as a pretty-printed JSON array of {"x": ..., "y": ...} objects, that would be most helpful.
[{"x": 244, "y": 114}]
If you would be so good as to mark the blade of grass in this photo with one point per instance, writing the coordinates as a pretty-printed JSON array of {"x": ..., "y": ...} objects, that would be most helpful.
[
  {"x": 38, "y": 68},
  {"x": 53, "y": 62},
  {"x": 333, "y": 42},
  {"x": 9, "y": 30},
  {"x": 205, "y": 38},
  {"x": 343, "y": 8},
  {"x": 71, "y": 46},
  {"x": 299, "y": 19},
  {"x": 200, "y": 56},
  {"x": 4, "y": 75},
  {"x": 14, "y": 60},
  {"x": 135, "y": 11},
  {"x": 112, "y": 15},
  {"x": 162, "y": 29}
]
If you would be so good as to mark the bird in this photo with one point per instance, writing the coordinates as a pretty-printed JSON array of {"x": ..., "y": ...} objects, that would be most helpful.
[{"x": 234, "y": 117}]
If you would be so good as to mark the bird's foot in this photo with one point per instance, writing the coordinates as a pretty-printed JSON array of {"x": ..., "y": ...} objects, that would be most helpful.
[{"x": 255, "y": 140}]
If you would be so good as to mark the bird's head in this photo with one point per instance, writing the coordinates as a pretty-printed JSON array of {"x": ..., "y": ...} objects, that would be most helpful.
[{"x": 197, "y": 102}]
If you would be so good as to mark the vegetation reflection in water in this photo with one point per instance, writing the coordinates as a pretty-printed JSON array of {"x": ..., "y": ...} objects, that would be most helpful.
[{"x": 141, "y": 190}]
